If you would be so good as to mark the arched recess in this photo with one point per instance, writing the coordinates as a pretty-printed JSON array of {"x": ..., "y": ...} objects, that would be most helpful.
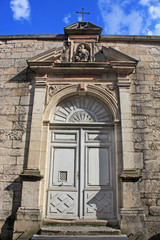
[
  {"x": 99, "y": 106},
  {"x": 103, "y": 95},
  {"x": 81, "y": 109}
]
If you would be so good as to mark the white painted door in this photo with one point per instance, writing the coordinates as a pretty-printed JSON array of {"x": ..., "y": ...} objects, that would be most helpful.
[{"x": 82, "y": 179}]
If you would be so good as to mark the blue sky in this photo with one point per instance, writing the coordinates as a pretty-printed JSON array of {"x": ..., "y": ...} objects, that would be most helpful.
[{"x": 127, "y": 17}]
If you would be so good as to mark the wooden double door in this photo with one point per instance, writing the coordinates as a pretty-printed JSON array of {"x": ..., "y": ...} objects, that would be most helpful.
[{"x": 81, "y": 176}]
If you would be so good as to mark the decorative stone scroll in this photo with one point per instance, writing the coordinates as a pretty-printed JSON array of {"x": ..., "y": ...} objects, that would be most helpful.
[
  {"x": 53, "y": 89},
  {"x": 82, "y": 109}
]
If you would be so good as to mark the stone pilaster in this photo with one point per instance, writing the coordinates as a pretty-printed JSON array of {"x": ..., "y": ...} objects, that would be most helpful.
[
  {"x": 131, "y": 212},
  {"x": 29, "y": 214}
]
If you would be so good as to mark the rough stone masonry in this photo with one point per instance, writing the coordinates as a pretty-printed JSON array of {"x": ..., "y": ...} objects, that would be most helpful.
[{"x": 138, "y": 210}]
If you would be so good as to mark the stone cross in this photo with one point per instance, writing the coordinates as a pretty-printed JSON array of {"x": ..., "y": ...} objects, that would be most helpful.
[{"x": 83, "y": 14}]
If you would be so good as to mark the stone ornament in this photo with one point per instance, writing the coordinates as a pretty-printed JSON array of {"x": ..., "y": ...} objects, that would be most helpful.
[
  {"x": 65, "y": 55},
  {"x": 82, "y": 109},
  {"x": 82, "y": 54},
  {"x": 53, "y": 89}
]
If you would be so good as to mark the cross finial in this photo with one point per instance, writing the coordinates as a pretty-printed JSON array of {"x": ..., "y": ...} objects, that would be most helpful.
[{"x": 83, "y": 14}]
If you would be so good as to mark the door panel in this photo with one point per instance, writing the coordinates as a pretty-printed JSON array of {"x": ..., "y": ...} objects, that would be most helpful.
[
  {"x": 98, "y": 166},
  {"x": 62, "y": 204},
  {"x": 98, "y": 204},
  {"x": 63, "y": 189},
  {"x": 99, "y": 184},
  {"x": 82, "y": 179},
  {"x": 64, "y": 161}
]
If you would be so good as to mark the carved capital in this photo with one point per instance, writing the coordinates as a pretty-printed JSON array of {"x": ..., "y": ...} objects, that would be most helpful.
[
  {"x": 31, "y": 175},
  {"x": 131, "y": 175},
  {"x": 123, "y": 81},
  {"x": 40, "y": 80}
]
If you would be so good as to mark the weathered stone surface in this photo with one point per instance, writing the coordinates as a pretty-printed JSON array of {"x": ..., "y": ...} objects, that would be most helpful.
[
  {"x": 142, "y": 125},
  {"x": 154, "y": 210}
]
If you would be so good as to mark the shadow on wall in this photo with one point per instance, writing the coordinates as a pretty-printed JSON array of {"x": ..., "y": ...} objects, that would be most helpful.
[
  {"x": 8, "y": 226},
  {"x": 20, "y": 127},
  {"x": 26, "y": 76},
  {"x": 155, "y": 237}
]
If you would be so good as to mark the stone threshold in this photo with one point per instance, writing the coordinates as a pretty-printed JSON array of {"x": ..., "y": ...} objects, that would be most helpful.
[{"x": 109, "y": 237}]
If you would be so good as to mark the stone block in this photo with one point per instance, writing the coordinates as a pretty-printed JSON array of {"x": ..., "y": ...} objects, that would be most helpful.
[
  {"x": 15, "y": 135},
  {"x": 138, "y": 158},
  {"x": 16, "y": 92},
  {"x": 6, "y": 64},
  {"x": 7, "y": 160},
  {"x": 1, "y": 169},
  {"x": 27, "y": 55},
  {"x": 14, "y": 55},
  {"x": 133, "y": 224},
  {"x": 20, "y": 63},
  {"x": 30, "y": 194},
  {"x": 50, "y": 45},
  {"x": 154, "y": 210},
  {"x": 17, "y": 144},
  {"x": 25, "y": 101},
  {"x": 131, "y": 197},
  {"x": 10, "y": 71},
  {"x": 21, "y": 109},
  {"x": 7, "y": 205},
  {"x": 25, "y": 118},
  {"x": 15, "y": 152},
  {"x": 2, "y": 55}
]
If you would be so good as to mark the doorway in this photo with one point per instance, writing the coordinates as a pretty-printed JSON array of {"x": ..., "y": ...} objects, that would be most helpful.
[{"x": 81, "y": 180}]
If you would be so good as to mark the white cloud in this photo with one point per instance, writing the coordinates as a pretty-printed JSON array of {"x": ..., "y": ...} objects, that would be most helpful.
[
  {"x": 66, "y": 19},
  {"x": 154, "y": 11},
  {"x": 79, "y": 19},
  {"x": 117, "y": 21},
  {"x": 125, "y": 17},
  {"x": 21, "y": 9},
  {"x": 134, "y": 21},
  {"x": 145, "y": 2},
  {"x": 155, "y": 31}
]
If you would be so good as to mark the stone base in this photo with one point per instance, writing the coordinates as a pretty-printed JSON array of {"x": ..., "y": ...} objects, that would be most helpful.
[
  {"x": 27, "y": 223},
  {"x": 133, "y": 223},
  {"x": 153, "y": 226}
]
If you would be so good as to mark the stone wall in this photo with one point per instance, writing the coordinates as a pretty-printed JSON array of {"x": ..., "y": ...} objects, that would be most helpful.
[
  {"x": 145, "y": 93},
  {"x": 16, "y": 99}
]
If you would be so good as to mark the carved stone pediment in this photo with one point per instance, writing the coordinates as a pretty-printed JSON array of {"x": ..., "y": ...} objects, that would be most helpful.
[
  {"x": 81, "y": 50},
  {"x": 109, "y": 54},
  {"x": 51, "y": 55},
  {"x": 58, "y": 55},
  {"x": 105, "y": 59},
  {"x": 83, "y": 28}
]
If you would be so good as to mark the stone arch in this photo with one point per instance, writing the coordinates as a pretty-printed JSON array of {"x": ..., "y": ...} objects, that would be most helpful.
[
  {"x": 103, "y": 95},
  {"x": 82, "y": 109}
]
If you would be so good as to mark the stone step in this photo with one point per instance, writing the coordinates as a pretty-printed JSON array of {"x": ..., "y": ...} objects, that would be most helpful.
[
  {"x": 78, "y": 222},
  {"x": 109, "y": 237},
  {"x": 78, "y": 230}
]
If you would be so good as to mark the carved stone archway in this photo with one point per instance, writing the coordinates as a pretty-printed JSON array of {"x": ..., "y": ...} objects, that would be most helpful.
[
  {"x": 81, "y": 140},
  {"x": 111, "y": 69}
]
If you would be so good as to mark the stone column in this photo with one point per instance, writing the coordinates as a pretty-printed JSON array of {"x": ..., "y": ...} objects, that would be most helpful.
[
  {"x": 29, "y": 213},
  {"x": 132, "y": 214}
]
